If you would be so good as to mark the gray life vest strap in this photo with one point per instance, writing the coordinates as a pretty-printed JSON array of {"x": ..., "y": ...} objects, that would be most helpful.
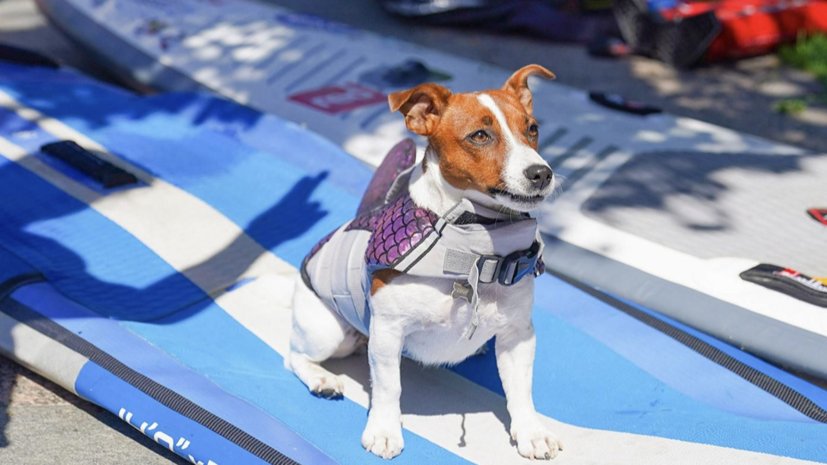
[
  {"x": 474, "y": 254},
  {"x": 506, "y": 270},
  {"x": 455, "y": 249}
]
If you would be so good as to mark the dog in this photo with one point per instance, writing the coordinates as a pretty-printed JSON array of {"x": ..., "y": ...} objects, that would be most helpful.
[{"x": 441, "y": 258}]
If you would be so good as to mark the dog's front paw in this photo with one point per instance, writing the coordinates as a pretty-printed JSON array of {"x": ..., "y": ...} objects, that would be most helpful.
[
  {"x": 327, "y": 386},
  {"x": 534, "y": 441},
  {"x": 383, "y": 438}
]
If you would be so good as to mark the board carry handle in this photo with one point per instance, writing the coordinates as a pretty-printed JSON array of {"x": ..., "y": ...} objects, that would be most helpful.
[
  {"x": 616, "y": 102},
  {"x": 89, "y": 164}
]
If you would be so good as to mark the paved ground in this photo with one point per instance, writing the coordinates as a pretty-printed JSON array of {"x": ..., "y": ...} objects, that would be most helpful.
[{"x": 41, "y": 423}]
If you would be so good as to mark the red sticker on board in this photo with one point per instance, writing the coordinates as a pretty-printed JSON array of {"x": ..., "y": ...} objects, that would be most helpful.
[
  {"x": 819, "y": 214},
  {"x": 340, "y": 98}
]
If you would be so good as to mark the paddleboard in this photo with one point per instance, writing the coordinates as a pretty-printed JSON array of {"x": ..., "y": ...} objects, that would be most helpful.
[
  {"x": 704, "y": 224},
  {"x": 156, "y": 283}
]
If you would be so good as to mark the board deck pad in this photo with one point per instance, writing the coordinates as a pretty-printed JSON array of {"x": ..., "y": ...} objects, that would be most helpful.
[
  {"x": 334, "y": 79},
  {"x": 198, "y": 367}
]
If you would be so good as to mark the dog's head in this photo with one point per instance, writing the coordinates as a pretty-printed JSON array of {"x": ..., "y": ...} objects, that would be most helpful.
[{"x": 485, "y": 142}]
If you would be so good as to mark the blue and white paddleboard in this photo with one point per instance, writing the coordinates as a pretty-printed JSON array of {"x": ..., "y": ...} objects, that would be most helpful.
[
  {"x": 165, "y": 298},
  {"x": 717, "y": 229}
]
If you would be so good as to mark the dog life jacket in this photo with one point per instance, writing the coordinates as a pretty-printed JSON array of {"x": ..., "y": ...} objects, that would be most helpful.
[{"x": 470, "y": 245}]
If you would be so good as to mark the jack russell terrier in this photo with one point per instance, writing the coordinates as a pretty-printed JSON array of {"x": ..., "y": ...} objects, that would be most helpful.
[{"x": 440, "y": 258}]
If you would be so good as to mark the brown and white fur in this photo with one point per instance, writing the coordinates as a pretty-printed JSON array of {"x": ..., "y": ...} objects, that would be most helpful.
[{"x": 481, "y": 146}]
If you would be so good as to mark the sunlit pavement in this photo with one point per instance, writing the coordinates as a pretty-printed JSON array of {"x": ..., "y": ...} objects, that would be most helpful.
[{"x": 41, "y": 423}]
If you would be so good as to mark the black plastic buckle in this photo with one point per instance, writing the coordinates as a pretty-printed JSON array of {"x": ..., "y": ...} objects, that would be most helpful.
[{"x": 516, "y": 265}]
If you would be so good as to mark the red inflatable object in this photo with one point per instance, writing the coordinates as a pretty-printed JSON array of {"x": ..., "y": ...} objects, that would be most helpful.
[{"x": 685, "y": 33}]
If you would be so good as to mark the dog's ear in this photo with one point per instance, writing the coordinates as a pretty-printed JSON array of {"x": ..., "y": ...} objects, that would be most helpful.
[
  {"x": 517, "y": 84},
  {"x": 422, "y": 106}
]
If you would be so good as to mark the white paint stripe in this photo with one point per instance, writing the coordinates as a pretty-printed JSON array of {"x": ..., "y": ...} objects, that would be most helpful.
[{"x": 263, "y": 307}]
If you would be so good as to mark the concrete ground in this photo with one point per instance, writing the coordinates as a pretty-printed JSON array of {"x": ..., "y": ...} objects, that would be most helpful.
[{"x": 40, "y": 423}]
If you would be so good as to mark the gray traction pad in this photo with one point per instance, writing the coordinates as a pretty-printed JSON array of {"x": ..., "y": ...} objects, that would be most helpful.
[{"x": 721, "y": 205}]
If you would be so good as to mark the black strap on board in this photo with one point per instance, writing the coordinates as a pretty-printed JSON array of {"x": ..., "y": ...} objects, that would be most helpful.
[{"x": 89, "y": 164}]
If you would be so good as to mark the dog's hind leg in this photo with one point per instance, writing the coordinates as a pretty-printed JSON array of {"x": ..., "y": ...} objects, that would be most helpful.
[{"x": 317, "y": 335}]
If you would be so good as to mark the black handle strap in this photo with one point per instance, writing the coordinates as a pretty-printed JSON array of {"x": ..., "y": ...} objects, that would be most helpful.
[
  {"x": 616, "y": 102},
  {"x": 89, "y": 164}
]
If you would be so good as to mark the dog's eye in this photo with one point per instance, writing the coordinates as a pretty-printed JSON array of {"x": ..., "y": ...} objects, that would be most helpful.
[
  {"x": 479, "y": 137},
  {"x": 533, "y": 131}
]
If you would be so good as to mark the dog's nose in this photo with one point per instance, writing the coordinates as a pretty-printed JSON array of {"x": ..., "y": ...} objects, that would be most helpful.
[{"x": 539, "y": 175}]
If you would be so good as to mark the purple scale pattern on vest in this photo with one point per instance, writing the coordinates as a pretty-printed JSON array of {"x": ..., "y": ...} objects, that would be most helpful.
[
  {"x": 397, "y": 229},
  {"x": 401, "y": 157}
]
